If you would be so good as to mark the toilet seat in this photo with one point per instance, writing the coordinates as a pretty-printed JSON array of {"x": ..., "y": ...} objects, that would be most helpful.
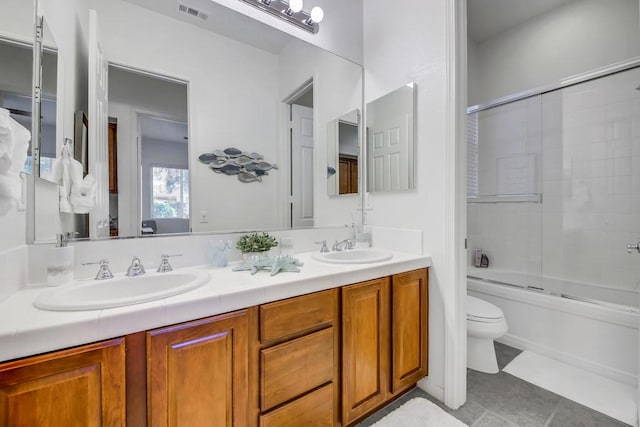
[{"x": 482, "y": 311}]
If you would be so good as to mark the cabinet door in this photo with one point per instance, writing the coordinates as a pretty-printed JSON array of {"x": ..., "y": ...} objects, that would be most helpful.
[
  {"x": 409, "y": 329},
  {"x": 83, "y": 386},
  {"x": 365, "y": 347},
  {"x": 197, "y": 372}
]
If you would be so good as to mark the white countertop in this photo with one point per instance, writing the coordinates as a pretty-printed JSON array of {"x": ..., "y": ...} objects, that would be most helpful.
[{"x": 26, "y": 330}]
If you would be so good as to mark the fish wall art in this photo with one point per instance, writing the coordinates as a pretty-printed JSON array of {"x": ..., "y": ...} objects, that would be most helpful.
[{"x": 248, "y": 167}]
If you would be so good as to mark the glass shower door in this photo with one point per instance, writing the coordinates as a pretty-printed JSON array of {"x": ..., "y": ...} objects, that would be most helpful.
[
  {"x": 591, "y": 187},
  {"x": 504, "y": 151}
]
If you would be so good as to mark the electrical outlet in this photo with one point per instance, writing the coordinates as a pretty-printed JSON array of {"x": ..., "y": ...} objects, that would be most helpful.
[{"x": 204, "y": 217}]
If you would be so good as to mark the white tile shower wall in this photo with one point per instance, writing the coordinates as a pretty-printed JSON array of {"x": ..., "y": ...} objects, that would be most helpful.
[
  {"x": 591, "y": 181},
  {"x": 509, "y": 162},
  {"x": 590, "y": 164}
]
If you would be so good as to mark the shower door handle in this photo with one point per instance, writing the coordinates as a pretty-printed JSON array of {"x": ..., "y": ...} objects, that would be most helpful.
[{"x": 632, "y": 246}]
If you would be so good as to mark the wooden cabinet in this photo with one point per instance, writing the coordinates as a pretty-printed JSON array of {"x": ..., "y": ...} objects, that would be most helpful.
[
  {"x": 197, "y": 372},
  {"x": 409, "y": 331},
  {"x": 384, "y": 341},
  {"x": 297, "y": 362},
  {"x": 113, "y": 157},
  {"x": 324, "y": 359},
  {"x": 365, "y": 347},
  {"x": 348, "y": 175},
  {"x": 83, "y": 386}
]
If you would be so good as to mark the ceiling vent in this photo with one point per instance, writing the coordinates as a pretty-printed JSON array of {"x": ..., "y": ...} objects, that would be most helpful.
[{"x": 192, "y": 12}]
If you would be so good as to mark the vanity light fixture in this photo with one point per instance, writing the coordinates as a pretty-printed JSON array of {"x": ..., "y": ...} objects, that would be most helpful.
[{"x": 292, "y": 12}]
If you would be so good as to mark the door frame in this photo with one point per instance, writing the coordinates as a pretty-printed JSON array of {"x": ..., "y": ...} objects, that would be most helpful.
[
  {"x": 455, "y": 334},
  {"x": 286, "y": 180}
]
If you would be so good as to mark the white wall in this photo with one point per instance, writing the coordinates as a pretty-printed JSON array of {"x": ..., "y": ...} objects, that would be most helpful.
[
  {"x": 577, "y": 37},
  {"x": 337, "y": 90},
  {"x": 228, "y": 105},
  {"x": 408, "y": 44}
]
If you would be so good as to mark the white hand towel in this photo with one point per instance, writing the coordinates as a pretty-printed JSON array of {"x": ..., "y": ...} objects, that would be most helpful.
[
  {"x": 83, "y": 196},
  {"x": 6, "y": 135},
  {"x": 14, "y": 142}
]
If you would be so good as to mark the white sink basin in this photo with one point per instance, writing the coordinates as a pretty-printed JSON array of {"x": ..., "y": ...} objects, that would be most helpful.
[
  {"x": 354, "y": 256},
  {"x": 117, "y": 292}
]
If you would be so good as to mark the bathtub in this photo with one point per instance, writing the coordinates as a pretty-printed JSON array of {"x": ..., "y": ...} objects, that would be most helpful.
[
  {"x": 601, "y": 338},
  {"x": 622, "y": 299}
]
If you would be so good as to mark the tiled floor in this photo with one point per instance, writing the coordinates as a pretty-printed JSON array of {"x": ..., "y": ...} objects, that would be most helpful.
[{"x": 502, "y": 400}]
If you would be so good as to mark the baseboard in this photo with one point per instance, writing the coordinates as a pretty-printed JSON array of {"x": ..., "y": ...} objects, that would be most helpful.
[
  {"x": 435, "y": 390},
  {"x": 596, "y": 368}
]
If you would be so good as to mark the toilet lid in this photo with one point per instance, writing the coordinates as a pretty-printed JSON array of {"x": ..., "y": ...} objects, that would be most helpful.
[{"x": 481, "y": 310}]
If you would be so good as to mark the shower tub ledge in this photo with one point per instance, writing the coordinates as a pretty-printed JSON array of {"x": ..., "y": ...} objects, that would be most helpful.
[{"x": 599, "y": 338}]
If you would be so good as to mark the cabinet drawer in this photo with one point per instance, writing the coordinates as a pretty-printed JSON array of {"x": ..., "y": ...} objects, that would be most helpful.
[
  {"x": 291, "y": 369},
  {"x": 313, "y": 410},
  {"x": 283, "y": 318}
]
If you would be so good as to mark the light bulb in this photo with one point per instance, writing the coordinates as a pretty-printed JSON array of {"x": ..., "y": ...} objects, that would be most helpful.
[
  {"x": 317, "y": 14},
  {"x": 295, "y": 5}
]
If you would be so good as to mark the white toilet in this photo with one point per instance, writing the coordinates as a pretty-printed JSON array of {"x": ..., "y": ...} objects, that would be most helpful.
[{"x": 485, "y": 322}]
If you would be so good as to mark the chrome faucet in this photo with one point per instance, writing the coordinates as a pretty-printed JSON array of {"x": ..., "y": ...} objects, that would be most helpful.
[
  {"x": 324, "y": 249},
  {"x": 164, "y": 266},
  {"x": 136, "y": 268},
  {"x": 345, "y": 244},
  {"x": 104, "y": 272}
]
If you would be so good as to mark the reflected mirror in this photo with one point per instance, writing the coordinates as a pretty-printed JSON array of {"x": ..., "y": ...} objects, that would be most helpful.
[
  {"x": 230, "y": 108},
  {"x": 16, "y": 95},
  {"x": 390, "y": 141},
  {"x": 343, "y": 154}
]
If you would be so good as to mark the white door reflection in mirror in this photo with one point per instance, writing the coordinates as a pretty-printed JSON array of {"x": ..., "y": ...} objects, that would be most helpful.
[
  {"x": 99, "y": 150},
  {"x": 302, "y": 166},
  {"x": 149, "y": 113},
  {"x": 390, "y": 141}
]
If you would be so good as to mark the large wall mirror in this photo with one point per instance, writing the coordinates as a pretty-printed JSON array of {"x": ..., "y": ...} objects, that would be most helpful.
[
  {"x": 207, "y": 122},
  {"x": 391, "y": 141}
]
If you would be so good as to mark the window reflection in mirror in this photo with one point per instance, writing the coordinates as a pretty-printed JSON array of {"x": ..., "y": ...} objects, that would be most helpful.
[{"x": 390, "y": 141}]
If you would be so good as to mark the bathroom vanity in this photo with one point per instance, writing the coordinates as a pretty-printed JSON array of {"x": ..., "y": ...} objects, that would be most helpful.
[{"x": 327, "y": 357}]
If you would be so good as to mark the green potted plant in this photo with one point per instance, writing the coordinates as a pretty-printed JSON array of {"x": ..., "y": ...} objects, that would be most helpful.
[{"x": 250, "y": 244}]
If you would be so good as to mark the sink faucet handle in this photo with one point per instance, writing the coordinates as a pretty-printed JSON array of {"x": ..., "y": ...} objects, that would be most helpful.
[
  {"x": 136, "y": 268},
  {"x": 324, "y": 249},
  {"x": 164, "y": 266},
  {"x": 103, "y": 272}
]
